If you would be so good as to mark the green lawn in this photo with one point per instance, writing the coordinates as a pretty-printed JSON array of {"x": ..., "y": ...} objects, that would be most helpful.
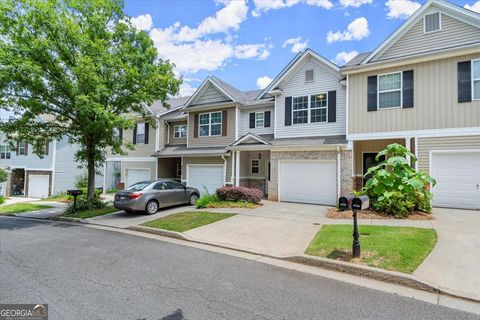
[
  {"x": 62, "y": 197},
  {"x": 184, "y": 221},
  {"x": 393, "y": 248},
  {"x": 91, "y": 213},
  {"x": 22, "y": 207}
]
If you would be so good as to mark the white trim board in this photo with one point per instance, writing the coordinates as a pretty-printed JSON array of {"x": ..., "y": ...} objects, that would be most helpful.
[
  {"x": 431, "y": 133},
  {"x": 131, "y": 159}
]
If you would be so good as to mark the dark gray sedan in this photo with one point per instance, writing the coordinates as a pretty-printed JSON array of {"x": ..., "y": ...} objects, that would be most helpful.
[{"x": 149, "y": 196}]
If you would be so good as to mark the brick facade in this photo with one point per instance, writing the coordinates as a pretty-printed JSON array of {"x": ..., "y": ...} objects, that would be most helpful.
[
  {"x": 253, "y": 183},
  {"x": 345, "y": 164}
]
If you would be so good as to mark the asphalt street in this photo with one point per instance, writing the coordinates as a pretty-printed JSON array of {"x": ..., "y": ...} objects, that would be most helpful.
[{"x": 85, "y": 273}]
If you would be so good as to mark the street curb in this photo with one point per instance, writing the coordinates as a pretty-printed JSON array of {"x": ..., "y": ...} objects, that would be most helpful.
[
  {"x": 67, "y": 219},
  {"x": 392, "y": 277}
]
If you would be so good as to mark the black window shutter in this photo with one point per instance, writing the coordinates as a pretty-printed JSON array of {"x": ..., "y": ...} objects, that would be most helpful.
[
  {"x": 464, "y": 81},
  {"x": 407, "y": 89},
  {"x": 372, "y": 93},
  {"x": 135, "y": 134},
  {"x": 120, "y": 134},
  {"x": 288, "y": 111},
  {"x": 332, "y": 106},
  {"x": 267, "y": 119},
  {"x": 252, "y": 120},
  {"x": 147, "y": 126},
  {"x": 224, "y": 122}
]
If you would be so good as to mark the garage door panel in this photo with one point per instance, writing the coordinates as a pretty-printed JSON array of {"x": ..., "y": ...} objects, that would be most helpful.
[
  {"x": 38, "y": 186},
  {"x": 457, "y": 176},
  {"x": 136, "y": 175},
  {"x": 308, "y": 182},
  {"x": 207, "y": 179}
]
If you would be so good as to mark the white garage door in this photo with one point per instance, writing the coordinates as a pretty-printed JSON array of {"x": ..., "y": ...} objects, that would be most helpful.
[
  {"x": 136, "y": 175},
  {"x": 308, "y": 182},
  {"x": 205, "y": 177},
  {"x": 458, "y": 179},
  {"x": 38, "y": 186}
]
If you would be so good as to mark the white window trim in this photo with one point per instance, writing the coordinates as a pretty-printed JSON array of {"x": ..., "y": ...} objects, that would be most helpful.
[
  {"x": 309, "y": 108},
  {"x": 210, "y": 124},
  {"x": 252, "y": 166},
  {"x": 318, "y": 108},
  {"x": 313, "y": 76},
  {"x": 390, "y": 90},
  {"x": 263, "y": 120},
  {"x": 474, "y": 79},
  {"x": 177, "y": 129},
  {"x": 439, "y": 22},
  {"x": 24, "y": 153},
  {"x": 137, "y": 134},
  {"x": 4, "y": 150}
]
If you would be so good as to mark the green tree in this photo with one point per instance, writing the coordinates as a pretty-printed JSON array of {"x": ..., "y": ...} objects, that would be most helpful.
[
  {"x": 85, "y": 66},
  {"x": 395, "y": 187},
  {"x": 3, "y": 176}
]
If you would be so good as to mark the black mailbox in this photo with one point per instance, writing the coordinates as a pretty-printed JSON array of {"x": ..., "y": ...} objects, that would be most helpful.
[
  {"x": 359, "y": 203},
  {"x": 74, "y": 192},
  {"x": 345, "y": 202}
]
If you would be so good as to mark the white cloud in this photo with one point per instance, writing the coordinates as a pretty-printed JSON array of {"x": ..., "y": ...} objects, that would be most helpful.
[
  {"x": 401, "y": 9},
  {"x": 267, "y": 5},
  {"x": 296, "y": 43},
  {"x": 186, "y": 89},
  {"x": 356, "y": 30},
  {"x": 192, "y": 50},
  {"x": 263, "y": 82},
  {"x": 343, "y": 57},
  {"x": 354, "y": 3},
  {"x": 142, "y": 22},
  {"x": 474, "y": 7}
]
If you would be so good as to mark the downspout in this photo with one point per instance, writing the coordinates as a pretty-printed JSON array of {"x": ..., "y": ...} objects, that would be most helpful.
[
  {"x": 339, "y": 173},
  {"x": 168, "y": 132},
  {"x": 224, "y": 169}
]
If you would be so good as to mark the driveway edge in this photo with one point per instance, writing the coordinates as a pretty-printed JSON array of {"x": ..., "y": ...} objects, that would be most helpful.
[{"x": 160, "y": 232}]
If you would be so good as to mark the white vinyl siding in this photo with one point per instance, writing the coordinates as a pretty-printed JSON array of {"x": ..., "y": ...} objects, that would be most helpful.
[
  {"x": 390, "y": 90},
  {"x": 244, "y": 122},
  {"x": 476, "y": 79},
  {"x": 325, "y": 79}
]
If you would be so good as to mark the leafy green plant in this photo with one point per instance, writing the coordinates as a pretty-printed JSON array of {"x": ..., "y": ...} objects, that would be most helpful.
[
  {"x": 81, "y": 181},
  {"x": 84, "y": 204},
  {"x": 3, "y": 175},
  {"x": 395, "y": 188},
  {"x": 2, "y": 200},
  {"x": 205, "y": 200}
]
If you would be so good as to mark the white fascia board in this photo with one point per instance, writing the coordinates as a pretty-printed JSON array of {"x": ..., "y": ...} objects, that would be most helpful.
[
  {"x": 450, "y": 132},
  {"x": 131, "y": 159}
]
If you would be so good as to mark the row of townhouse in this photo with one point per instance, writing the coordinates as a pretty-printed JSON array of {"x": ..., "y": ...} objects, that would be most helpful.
[{"x": 315, "y": 130}]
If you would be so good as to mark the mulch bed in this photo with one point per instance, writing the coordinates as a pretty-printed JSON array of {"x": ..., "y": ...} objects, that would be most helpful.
[{"x": 333, "y": 213}]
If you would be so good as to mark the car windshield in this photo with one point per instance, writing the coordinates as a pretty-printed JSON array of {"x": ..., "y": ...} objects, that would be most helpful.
[{"x": 138, "y": 186}]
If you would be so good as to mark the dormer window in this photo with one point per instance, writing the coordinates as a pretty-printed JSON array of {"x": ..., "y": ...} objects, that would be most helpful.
[
  {"x": 432, "y": 22},
  {"x": 309, "y": 76}
]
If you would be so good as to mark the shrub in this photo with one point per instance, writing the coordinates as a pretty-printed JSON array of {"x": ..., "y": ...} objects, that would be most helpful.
[
  {"x": 3, "y": 175},
  {"x": 240, "y": 194},
  {"x": 2, "y": 200},
  {"x": 205, "y": 200},
  {"x": 83, "y": 204},
  {"x": 395, "y": 188},
  {"x": 81, "y": 181}
]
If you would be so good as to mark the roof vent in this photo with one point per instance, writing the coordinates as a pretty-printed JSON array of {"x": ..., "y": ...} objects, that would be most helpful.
[
  {"x": 309, "y": 76},
  {"x": 432, "y": 22}
]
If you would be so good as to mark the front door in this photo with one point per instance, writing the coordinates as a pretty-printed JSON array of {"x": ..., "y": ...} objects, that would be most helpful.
[{"x": 368, "y": 162}]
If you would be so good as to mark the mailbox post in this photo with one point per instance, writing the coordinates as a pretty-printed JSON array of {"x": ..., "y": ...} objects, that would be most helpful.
[
  {"x": 357, "y": 204},
  {"x": 75, "y": 194}
]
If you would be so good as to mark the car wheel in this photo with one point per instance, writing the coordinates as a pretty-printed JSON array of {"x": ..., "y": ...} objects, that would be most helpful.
[
  {"x": 193, "y": 199},
  {"x": 152, "y": 207}
]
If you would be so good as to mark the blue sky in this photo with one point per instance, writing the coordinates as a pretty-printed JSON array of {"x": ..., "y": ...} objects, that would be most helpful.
[{"x": 246, "y": 43}]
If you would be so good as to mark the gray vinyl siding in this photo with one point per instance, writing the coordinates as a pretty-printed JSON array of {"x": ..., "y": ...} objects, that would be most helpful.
[
  {"x": 325, "y": 79},
  {"x": 207, "y": 160},
  {"x": 174, "y": 140},
  {"x": 454, "y": 33},
  {"x": 210, "y": 95},
  {"x": 435, "y": 101},
  {"x": 425, "y": 145},
  {"x": 31, "y": 161},
  {"x": 215, "y": 140},
  {"x": 66, "y": 169},
  {"x": 245, "y": 121}
]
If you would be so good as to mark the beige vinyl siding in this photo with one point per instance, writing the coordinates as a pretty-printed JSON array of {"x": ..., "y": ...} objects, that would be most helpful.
[
  {"x": 245, "y": 121},
  {"x": 207, "y": 160},
  {"x": 138, "y": 165},
  {"x": 425, "y": 145},
  {"x": 246, "y": 161},
  {"x": 174, "y": 140},
  {"x": 435, "y": 101},
  {"x": 210, "y": 95},
  {"x": 141, "y": 150},
  {"x": 454, "y": 33},
  {"x": 167, "y": 168},
  {"x": 215, "y": 140},
  {"x": 324, "y": 80},
  {"x": 369, "y": 146}
]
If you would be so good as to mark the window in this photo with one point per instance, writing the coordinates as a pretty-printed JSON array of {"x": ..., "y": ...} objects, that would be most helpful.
[
  {"x": 300, "y": 109},
  {"x": 318, "y": 108},
  {"x": 432, "y": 22},
  {"x": 390, "y": 90},
  {"x": 160, "y": 186},
  {"x": 210, "y": 124},
  {"x": 140, "y": 133},
  {"x": 180, "y": 131},
  {"x": 309, "y": 76},
  {"x": 259, "y": 119},
  {"x": 22, "y": 149},
  {"x": 255, "y": 166},
  {"x": 175, "y": 185},
  {"x": 179, "y": 169},
  {"x": 476, "y": 79},
  {"x": 5, "y": 152}
]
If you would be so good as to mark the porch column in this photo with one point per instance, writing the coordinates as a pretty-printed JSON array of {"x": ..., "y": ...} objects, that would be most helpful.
[
  {"x": 409, "y": 147},
  {"x": 232, "y": 179},
  {"x": 237, "y": 169}
]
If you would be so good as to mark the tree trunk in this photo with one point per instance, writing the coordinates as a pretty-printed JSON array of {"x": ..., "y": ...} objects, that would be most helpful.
[{"x": 91, "y": 172}]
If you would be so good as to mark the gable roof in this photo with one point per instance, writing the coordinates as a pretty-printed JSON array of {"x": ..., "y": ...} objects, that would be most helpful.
[
  {"x": 250, "y": 136},
  {"x": 295, "y": 62},
  {"x": 230, "y": 92},
  {"x": 458, "y": 12}
]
